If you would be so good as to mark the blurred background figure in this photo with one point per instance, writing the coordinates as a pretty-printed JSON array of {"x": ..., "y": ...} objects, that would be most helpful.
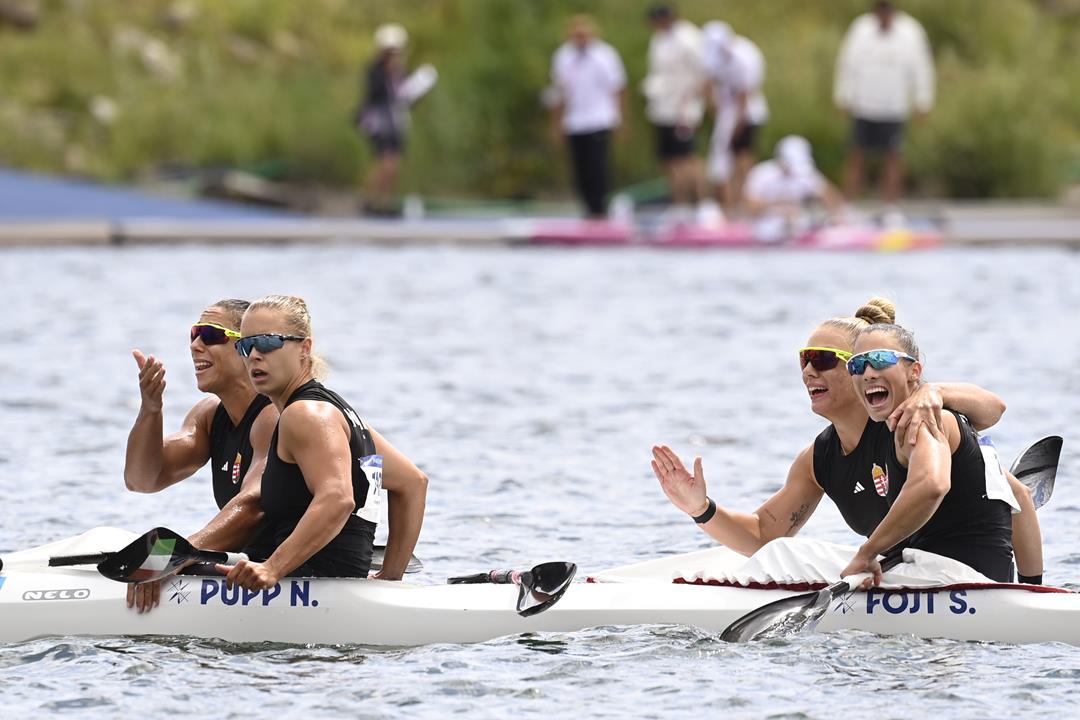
[
  {"x": 590, "y": 87},
  {"x": 884, "y": 71},
  {"x": 674, "y": 100},
  {"x": 383, "y": 117},
  {"x": 736, "y": 71},
  {"x": 781, "y": 193}
]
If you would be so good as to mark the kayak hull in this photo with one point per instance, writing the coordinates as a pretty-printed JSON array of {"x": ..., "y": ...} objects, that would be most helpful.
[{"x": 73, "y": 602}]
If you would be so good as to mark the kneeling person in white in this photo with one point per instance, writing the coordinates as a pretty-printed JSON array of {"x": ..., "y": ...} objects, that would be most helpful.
[{"x": 778, "y": 191}]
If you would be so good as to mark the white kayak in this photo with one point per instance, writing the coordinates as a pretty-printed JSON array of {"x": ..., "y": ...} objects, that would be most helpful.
[{"x": 38, "y": 601}]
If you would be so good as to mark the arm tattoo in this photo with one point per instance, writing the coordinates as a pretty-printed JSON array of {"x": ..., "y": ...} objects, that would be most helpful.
[
  {"x": 771, "y": 516},
  {"x": 799, "y": 516}
]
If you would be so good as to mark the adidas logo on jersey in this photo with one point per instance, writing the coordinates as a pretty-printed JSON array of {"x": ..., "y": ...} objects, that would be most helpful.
[{"x": 858, "y": 487}]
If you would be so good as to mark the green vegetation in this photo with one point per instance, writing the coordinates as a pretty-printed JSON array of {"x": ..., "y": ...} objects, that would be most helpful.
[{"x": 115, "y": 89}]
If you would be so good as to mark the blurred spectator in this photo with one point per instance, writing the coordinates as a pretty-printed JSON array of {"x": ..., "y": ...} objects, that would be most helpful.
[
  {"x": 884, "y": 70},
  {"x": 384, "y": 115},
  {"x": 675, "y": 101},
  {"x": 780, "y": 193},
  {"x": 590, "y": 84},
  {"x": 736, "y": 70}
]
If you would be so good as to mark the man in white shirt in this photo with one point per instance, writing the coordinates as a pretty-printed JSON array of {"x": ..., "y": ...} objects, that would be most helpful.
[
  {"x": 736, "y": 70},
  {"x": 590, "y": 83},
  {"x": 779, "y": 191},
  {"x": 674, "y": 99},
  {"x": 885, "y": 71}
]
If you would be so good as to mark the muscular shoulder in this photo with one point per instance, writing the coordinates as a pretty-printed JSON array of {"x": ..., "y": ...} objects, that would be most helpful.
[
  {"x": 201, "y": 415},
  {"x": 310, "y": 421}
]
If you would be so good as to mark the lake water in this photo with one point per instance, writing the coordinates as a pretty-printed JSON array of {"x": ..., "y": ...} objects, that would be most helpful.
[{"x": 529, "y": 384}]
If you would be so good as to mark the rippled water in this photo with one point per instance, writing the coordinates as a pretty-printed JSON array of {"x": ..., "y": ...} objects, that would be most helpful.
[{"x": 529, "y": 384}]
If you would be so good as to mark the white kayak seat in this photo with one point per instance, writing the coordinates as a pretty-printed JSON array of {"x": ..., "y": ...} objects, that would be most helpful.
[{"x": 791, "y": 561}]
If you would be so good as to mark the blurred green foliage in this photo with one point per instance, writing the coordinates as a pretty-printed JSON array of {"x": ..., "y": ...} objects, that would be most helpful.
[{"x": 115, "y": 89}]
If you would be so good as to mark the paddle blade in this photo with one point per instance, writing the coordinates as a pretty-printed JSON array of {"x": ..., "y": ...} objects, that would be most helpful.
[
  {"x": 157, "y": 554},
  {"x": 797, "y": 613},
  {"x": 542, "y": 586},
  {"x": 1036, "y": 468},
  {"x": 780, "y": 617}
]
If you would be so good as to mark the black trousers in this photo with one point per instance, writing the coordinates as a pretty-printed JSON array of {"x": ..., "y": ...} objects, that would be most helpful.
[{"x": 589, "y": 153}]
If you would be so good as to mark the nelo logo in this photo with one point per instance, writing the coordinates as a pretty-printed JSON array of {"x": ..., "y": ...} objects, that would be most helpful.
[{"x": 65, "y": 594}]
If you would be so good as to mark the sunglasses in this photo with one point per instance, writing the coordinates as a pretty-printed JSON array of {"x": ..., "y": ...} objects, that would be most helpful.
[
  {"x": 877, "y": 359},
  {"x": 268, "y": 342},
  {"x": 822, "y": 358},
  {"x": 212, "y": 333}
]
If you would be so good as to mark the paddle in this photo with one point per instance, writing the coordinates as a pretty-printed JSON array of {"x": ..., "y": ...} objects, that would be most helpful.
[
  {"x": 540, "y": 588},
  {"x": 125, "y": 565},
  {"x": 155, "y": 555},
  {"x": 798, "y": 612},
  {"x": 1036, "y": 468}
]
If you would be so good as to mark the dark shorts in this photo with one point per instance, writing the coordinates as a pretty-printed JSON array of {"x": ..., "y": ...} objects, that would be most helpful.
[
  {"x": 671, "y": 143},
  {"x": 745, "y": 139},
  {"x": 387, "y": 143},
  {"x": 879, "y": 135}
]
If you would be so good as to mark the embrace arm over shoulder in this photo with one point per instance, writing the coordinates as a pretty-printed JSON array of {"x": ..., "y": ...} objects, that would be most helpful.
[
  {"x": 982, "y": 407},
  {"x": 406, "y": 488},
  {"x": 924, "y": 406},
  {"x": 153, "y": 463},
  {"x": 237, "y": 523}
]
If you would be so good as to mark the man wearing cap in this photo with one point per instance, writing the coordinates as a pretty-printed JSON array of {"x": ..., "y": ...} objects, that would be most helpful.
[
  {"x": 884, "y": 72},
  {"x": 674, "y": 99},
  {"x": 778, "y": 190},
  {"x": 736, "y": 70},
  {"x": 589, "y": 82}
]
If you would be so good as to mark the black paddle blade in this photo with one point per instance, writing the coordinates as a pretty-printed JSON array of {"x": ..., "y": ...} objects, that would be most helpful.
[
  {"x": 1036, "y": 468},
  {"x": 157, "y": 554},
  {"x": 542, "y": 586}
]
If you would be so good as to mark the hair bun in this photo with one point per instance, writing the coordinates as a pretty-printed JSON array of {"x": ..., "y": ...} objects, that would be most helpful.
[{"x": 877, "y": 311}]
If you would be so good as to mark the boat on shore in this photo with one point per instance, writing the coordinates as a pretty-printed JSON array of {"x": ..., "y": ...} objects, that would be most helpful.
[{"x": 39, "y": 601}]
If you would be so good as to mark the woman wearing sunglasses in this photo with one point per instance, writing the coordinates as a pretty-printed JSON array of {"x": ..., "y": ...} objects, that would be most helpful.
[
  {"x": 231, "y": 428},
  {"x": 320, "y": 488},
  {"x": 949, "y": 503},
  {"x": 841, "y": 462}
]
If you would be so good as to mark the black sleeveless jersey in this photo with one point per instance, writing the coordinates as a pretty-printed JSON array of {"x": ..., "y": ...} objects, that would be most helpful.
[
  {"x": 230, "y": 449},
  {"x": 230, "y": 458},
  {"x": 285, "y": 497},
  {"x": 863, "y": 484},
  {"x": 967, "y": 526}
]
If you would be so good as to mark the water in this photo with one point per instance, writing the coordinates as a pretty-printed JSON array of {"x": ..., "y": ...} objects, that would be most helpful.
[{"x": 529, "y": 385}]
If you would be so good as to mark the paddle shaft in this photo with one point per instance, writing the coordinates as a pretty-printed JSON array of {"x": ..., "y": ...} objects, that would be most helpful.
[{"x": 415, "y": 564}]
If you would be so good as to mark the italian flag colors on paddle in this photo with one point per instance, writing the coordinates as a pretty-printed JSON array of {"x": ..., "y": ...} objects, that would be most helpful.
[{"x": 158, "y": 561}]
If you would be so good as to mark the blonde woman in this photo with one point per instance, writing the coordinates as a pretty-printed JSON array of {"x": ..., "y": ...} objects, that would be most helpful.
[{"x": 320, "y": 487}]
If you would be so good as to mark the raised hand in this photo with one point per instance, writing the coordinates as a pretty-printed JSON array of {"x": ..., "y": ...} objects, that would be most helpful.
[
  {"x": 151, "y": 380},
  {"x": 685, "y": 491}
]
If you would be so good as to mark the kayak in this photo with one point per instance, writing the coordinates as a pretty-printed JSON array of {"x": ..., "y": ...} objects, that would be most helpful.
[{"x": 39, "y": 601}]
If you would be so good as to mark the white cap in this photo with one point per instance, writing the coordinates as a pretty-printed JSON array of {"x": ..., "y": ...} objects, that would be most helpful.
[
  {"x": 391, "y": 37},
  {"x": 717, "y": 34},
  {"x": 794, "y": 153}
]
